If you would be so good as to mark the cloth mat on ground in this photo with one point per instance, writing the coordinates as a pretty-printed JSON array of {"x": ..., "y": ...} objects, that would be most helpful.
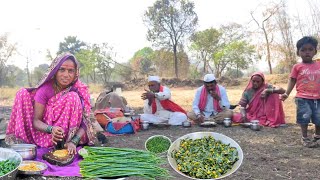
[{"x": 72, "y": 169}]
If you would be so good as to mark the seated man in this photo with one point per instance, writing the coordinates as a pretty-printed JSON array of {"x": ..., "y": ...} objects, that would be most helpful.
[
  {"x": 158, "y": 107},
  {"x": 210, "y": 102},
  {"x": 260, "y": 101}
]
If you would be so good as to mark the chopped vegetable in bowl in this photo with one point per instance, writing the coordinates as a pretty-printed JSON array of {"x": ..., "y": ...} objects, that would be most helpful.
[
  {"x": 205, "y": 158},
  {"x": 205, "y": 155},
  {"x": 158, "y": 144}
]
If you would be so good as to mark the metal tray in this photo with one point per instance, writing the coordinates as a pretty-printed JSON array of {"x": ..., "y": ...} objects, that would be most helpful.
[
  {"x": 208, "y": 124},
  {"x": 42, "y": 166}
]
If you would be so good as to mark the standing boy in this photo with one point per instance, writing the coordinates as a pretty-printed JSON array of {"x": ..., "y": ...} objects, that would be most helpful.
[{"x": 306, "y": 77}]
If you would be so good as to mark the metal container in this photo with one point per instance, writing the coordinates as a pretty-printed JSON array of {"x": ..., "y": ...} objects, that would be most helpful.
[
  {"x": 145, "y": 125},
  {"x": 42, "y": 167},
  {"x": 186, "y": 124},
  {"x": 255, "y": 125},
  {"x": 197, "y": 135},
  {"x": 227, "y": 122},
  {"x": 27, "y": 151},
  {"x": 10, "y": 154}
]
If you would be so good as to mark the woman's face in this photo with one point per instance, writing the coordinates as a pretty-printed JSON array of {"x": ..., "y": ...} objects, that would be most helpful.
[
  {"x": 66, "y": 73},
  {"x": 257, "y": 82}
]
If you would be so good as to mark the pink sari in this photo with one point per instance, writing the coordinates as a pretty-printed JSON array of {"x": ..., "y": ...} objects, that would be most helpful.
[
  {"x": 68, "y": 109},
  {"x": 268, "y": 111}
]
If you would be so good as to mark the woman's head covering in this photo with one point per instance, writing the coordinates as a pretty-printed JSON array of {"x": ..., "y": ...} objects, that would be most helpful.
[
  {"x": 249, "y": 86},
  {"x": 55, "y": 65}
]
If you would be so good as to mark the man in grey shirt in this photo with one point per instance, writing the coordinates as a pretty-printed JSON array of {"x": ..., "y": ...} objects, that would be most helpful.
[{"x": 210, "y": 102}]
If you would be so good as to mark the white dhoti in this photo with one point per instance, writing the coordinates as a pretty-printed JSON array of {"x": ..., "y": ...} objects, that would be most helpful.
[{"x": 172, "y": 118}]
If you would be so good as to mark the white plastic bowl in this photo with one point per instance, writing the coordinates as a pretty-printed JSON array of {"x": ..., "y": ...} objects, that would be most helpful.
[{"x": 197, "y": 135}]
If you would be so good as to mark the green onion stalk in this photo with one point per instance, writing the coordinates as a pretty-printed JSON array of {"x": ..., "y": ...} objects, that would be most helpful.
[{"x": 108, "y": 162}]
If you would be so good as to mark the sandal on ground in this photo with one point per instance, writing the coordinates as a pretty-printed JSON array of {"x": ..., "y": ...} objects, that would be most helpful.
[
  {"x": 306, "y": 142},
  {"x": 316, "y": 139}
]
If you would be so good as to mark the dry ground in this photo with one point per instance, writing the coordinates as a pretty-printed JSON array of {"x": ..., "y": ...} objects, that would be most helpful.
[{"x": 272, "y": 153}]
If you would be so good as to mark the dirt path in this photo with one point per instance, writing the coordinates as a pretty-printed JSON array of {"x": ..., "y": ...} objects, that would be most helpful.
[{"x": 272, "y": 153}]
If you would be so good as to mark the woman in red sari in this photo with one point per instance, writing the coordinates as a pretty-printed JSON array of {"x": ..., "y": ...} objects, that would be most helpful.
[
  {"x": 260, "y": 101},
  {"x": 56, "y": 110}
]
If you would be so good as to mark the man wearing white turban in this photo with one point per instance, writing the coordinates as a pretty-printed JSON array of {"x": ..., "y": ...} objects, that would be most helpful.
[
  {"x": 158, "y": 107},
  {"x": 210, "y": 102}
]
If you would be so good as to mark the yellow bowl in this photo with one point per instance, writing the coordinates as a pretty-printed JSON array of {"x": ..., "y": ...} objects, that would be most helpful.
[{"x": 198, "y": 135}]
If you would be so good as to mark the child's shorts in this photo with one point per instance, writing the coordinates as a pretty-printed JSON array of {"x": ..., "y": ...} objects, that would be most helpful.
[{"x": 308, "y": 109}]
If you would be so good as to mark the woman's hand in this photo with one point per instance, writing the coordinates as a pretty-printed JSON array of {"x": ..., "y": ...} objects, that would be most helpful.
[
  {"x": 57, "y": 134},
  {"x": 284, "y": 96},
  {"x": 264, "y": 93},
  {"x": 71, "y": 148}
]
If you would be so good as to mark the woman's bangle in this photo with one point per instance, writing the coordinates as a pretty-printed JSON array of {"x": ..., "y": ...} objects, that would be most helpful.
[
  {"x": 49, "y": 129},
  {"x": 75, "y": 140},
  {"x": 286, "y": 94}
]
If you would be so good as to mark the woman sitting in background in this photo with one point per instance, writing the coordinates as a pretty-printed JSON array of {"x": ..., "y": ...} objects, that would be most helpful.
[
  {"x": 260, "y": 101},
  {"x": 56, "y": 110}
]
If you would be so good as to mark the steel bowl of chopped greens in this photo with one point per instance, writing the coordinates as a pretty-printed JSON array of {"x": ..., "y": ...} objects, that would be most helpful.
[
  {"x": 158, "y": 144},
  {"x": 205, "y": 155},
  {"x": 9, "y": 163}
]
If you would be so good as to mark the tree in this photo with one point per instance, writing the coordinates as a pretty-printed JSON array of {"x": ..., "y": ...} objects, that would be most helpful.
[
  {"x": 267, "y": 28},
  {"x": 39, "y": 71},
  {"x": 233, "y": 51},
  {"x": 169, "y": 22},
  {"x": 142, "y": 61},
  {"x": 205, "y": 43},
  {"x": 88, "y": 62},
  {"x": 105, "y": 61},
  {"x": 286, "y": 46},
  {"x": 163, "y": 61},
  {"x": 6, "y": 51},
  {"x": 71, "y": 44}
]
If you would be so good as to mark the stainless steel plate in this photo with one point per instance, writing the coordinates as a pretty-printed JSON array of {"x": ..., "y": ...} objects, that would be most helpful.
[
  {"x": 246, "y": 125},
  {"x": 42, "y": 166},
  {"x": 208, "y": 124},
  {"x": 197, "y": 135}
]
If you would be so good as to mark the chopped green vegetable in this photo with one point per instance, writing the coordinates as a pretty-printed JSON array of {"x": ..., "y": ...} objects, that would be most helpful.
[
  {"x": 158, "y": 144},
  {"x": 205, "y": 158},
  {"x": 107, "y": 162},
  {"x": 7, "y": 166}
]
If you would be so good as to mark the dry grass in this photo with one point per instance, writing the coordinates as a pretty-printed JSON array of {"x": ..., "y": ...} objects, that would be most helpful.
[{"x": 182, "y": 96}]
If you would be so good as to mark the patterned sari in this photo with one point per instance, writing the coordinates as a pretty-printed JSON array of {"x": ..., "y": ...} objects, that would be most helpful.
[
  {"x": 268, "y": 111},
  {"x": 69, "y": 109}
]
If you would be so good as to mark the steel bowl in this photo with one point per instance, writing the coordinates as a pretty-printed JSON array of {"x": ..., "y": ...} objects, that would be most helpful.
[
  {"x": 197, "y": 135},
  {"x": 27, "y": 151},
  {"x": 186, "y": 124},
  {"x": 10, "y": 154},
  {"x": 42, "y": 167}
]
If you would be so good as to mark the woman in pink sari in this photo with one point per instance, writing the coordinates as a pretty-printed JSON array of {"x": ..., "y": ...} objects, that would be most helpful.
[
  {"x": 260, "y": 101},
  {"x": 56, "y": 110}
]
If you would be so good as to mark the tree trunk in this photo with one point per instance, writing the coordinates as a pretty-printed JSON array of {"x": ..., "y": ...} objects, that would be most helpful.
[
  {"x": 175, "y": 60},
  {"x": 268, "y": 49}
]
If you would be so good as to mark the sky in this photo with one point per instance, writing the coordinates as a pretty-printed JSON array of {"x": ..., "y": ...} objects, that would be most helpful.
[{"x": 38, "y": 25}]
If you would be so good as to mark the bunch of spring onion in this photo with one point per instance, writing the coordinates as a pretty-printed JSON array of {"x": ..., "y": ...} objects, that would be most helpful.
[{"x": 108, "y": 162}]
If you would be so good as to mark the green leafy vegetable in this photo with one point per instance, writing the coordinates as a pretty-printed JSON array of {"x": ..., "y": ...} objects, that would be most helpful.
[
  {"x": 205, "y": 158},
  {"x": 158, "y": 144},
  {"x": 7, "y": 166}
]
